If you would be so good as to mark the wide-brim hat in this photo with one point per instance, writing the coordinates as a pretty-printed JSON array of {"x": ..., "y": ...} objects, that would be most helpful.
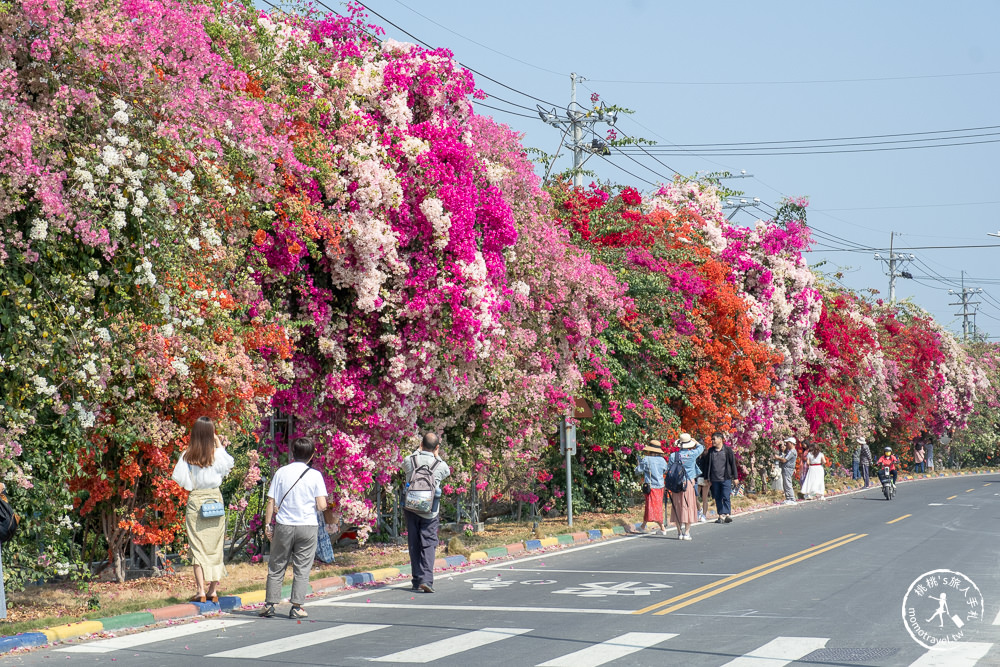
[
  {"x": 686, "y": 441},
  {"x": 654, "y": 447},
  {"x": 862, "y": 441},
  {"x": 791, "y": 440}
]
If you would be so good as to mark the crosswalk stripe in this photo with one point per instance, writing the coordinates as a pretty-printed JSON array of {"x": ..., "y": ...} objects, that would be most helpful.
[
  {"x": 613, "y": 649},
  {"x": 152, "y": 636},
  {"x": 957, "y": 654},
  {"x": 779, "y": 651},
  {"x": 452, "y": 645},
  {"x": 293, "y": 642}
]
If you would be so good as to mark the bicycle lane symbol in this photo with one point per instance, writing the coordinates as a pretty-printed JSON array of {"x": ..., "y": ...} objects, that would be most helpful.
[
  {"x": 600, "y": 589},
  {"x": 489, "y": 584}
]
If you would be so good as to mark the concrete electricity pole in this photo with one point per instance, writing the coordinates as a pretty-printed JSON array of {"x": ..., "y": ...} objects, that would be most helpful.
[
  {"x": 894, "y": 261},
  {"x": 577, "y": 122},
  {"x": 964, "y": 302}
]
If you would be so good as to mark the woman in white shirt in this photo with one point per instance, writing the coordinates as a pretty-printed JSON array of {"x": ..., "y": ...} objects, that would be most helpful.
[{"x": 200, "y": 470}]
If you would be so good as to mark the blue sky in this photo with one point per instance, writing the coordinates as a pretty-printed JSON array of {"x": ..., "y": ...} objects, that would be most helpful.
[{"x": 774, "y": 71}]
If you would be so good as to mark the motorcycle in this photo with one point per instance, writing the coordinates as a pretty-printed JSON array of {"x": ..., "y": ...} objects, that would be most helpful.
[{"x": 888, "y": 488}]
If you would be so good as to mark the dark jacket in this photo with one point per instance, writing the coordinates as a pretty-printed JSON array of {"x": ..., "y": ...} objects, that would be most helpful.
[
  {"x": 705, "y": 463},
  {"x": 866, "y": 456}
]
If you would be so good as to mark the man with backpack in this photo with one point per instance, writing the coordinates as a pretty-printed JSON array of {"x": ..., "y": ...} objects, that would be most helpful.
[{"x": 424, "y": 470}]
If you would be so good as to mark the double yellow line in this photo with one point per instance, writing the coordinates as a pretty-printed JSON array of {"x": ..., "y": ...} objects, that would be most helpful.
[{"x": 732, "y": 581}]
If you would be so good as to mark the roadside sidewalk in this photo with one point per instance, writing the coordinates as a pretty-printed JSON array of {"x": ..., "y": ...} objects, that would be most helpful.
[{"x": 105, "y": 627}]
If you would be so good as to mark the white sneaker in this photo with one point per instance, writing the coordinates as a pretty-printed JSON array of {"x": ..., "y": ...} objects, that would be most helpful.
[
  {"x": 687, "y": 536},
  {"x": 789, "y": 502},
  {"x": 663, "y": 531},
  {"x": 701, "y": 517}
]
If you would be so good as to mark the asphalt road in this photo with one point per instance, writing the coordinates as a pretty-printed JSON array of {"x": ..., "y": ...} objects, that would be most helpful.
[{"x": 822, "y": 583}]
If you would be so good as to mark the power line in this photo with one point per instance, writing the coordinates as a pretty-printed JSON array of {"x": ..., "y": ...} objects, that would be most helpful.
[
  {"x": 826, "y": 152},
  {"x": 468, "y": 39},
  {"x": 512, "y": 113},
  {"x": 737, "y": 147},
  {"x": 789, "y": 83},
  {"x": 862, "y": 136},
  {"x": 412, "y": 36},
  {"x": 627, "y": 171},
  {"x": 882, "y": 208}
]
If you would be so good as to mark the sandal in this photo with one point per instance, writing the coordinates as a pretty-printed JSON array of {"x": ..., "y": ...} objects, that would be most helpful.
[
  {"x": 197, "y": 598},
  {"x": 215, "y": 598}
]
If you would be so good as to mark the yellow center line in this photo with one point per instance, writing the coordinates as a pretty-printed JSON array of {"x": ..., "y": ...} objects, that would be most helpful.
[
  {"x": 987, "y": 483},
  {"x": 951, "y": 497},
  {"x": 755, "y": 576},
  {"x": 899, "y": 519},
  {"x": 969, "y": 490},
  {"x": 732, "y": 577}
]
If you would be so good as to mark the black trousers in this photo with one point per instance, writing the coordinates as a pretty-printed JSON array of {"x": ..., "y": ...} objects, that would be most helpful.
[{"x": 422, "y": 539}]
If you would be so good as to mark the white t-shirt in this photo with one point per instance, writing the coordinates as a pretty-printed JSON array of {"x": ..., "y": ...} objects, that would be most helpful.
[
  {"x": 192, "y": 477},
  {"x": 299, "y": 507}
]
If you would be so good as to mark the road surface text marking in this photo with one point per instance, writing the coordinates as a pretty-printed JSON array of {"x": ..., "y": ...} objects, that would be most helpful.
[
  {"x": 900, "y": 518},
  {"x": 722, "y": 582},
  {"x": 740, "y": 582}
]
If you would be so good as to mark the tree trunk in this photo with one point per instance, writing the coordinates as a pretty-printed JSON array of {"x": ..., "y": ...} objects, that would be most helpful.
[{"x": 117, "y": 541}]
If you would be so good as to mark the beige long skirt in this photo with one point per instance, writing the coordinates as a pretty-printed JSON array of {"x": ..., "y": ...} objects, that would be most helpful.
[
  {"x": 206, "y": 536},
  {"x": 684, "y": 506}
]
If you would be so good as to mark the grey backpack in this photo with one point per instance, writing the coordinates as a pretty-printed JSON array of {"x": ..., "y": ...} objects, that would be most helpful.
[{"x": 422, "y": 488}]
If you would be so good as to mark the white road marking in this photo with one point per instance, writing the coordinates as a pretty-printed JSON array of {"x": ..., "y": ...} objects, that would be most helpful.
[
  {"x": 957, "y": 654},
  {"x": 996, "y": 621},
  {"x": 935, "y": 504},
  {"x": 492, "y": 566},
  {"x": 550, "y": 569},
  {"x": 613, "y": 649},
  {"x": 153, "y": 636},
  {"x": 452, "y": 645},
  {"x": 471, "y": 607},
  {"x": 293, "y": 642},
  {"x": 779, "y": 651}
]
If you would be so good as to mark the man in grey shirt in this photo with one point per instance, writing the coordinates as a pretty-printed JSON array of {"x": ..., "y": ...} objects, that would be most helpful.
[
  {"x": 787, "y": 460},
  {"x": 422, "y": 527}
]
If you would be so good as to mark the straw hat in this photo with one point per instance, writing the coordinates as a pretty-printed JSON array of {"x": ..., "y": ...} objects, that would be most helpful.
[
  {"x": 686, "y": 441},
  {"x": 791, "y": 440},
  {"x": 654, "y": 447}
]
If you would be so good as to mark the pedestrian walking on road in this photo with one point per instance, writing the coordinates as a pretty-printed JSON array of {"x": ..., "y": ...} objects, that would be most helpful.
[
  {"x": 856, "y": 463},
  {"x": 918, "y": 457},
  {"x": 865, "y": 460},
  {"x": 786, "y": 460},
  {"x": 718, "y": 465},
  {"x": 684, "y": 504},
  {"x": 301, "y": 493},
  {"x": 815, "y": 484},
  {"x": 423, "y": 468},
  {"x": 652, "y": 466},
  {"x": 200, "y": 470}
]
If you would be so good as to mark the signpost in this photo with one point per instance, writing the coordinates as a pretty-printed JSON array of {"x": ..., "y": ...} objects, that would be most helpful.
[{"x": 567, "y": 446}]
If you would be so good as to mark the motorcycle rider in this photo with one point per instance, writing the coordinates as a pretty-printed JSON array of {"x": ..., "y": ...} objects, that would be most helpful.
[{"x": 888, "y": 460}]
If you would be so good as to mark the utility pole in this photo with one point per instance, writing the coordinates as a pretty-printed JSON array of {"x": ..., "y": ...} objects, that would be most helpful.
[
  {"x": 964, "y": 302},
  {"x": 895, "y": 261},
  {"x": 577, "y": 121}
]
